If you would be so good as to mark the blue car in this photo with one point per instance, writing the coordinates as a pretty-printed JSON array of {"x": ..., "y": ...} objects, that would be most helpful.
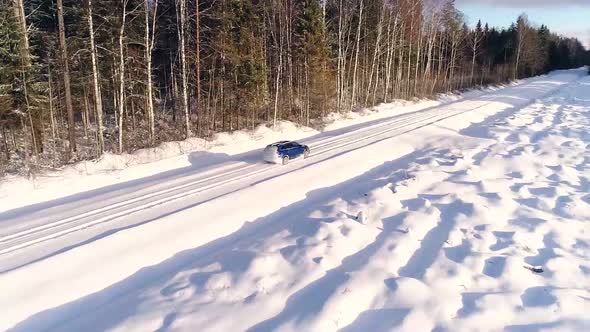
[{"x": 283, "y": 151}]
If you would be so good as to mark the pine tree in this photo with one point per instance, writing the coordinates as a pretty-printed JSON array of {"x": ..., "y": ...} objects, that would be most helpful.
[
  {"x": 313, "y": 54},
  {"x": 249, "y": 62},
  {"x": 11, "y": 92},
  {"x": 543, "y": 49}
]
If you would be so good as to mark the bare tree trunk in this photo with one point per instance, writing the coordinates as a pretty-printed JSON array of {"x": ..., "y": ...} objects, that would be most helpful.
[
  {"x": 121, "y": 73},
  {"x": 95, "y": 79},
  {"x": 5, "y": 139},
  {"x": 51, "y": 118},
  {"x": 115, "y": 79},
  {"x": 19, "y": 13},
  {"x": 398, "y": 81},
  {"x": 418, "y": 60},
  {"x": 33, "y": 133},
  {"x": 407, "y": 90},
  {"x": 344, "y": 80},
  {"x": 288, "y": 35},
  {"x": 474, "y": 47},
  {"x": 431, "y": 40},
  {"x": 66, "y": 74},
  {"x": 391, "y": 35},
  {"x": 277, "y": 83},
  {"x": 453, "y": 60},
  {"x": 198, "y": 62},
  {"x": 85, "y": 116},
  {"x": 183, "y": 68},
  {"x": 518, "y": 51},
  {"x": 307, "y": 92},
  {"x": 356, "y": 59},
  {"x": 149, "y": 44},
  {"x": 339, "y": 83},
  {"x": 441, "y": 51},
  {"x": 25, "y": 59},
  {"x": 375, "y": 52}
]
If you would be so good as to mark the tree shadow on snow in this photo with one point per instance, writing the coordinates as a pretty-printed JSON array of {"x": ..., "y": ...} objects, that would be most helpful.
[{"x": 305, "y": 303}]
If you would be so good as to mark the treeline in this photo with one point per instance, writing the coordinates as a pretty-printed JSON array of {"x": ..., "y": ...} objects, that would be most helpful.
[{"x": 81, "y": 77}]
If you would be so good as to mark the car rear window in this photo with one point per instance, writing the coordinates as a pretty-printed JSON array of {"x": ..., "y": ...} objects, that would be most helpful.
[{"x": 277, "y": 144}]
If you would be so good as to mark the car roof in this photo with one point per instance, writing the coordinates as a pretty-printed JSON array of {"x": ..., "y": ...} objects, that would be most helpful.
[{"x": 280, "y": 143}]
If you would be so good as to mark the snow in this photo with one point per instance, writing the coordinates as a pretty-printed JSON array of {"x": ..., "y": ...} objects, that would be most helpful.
[{"x": 430, "y": 218}]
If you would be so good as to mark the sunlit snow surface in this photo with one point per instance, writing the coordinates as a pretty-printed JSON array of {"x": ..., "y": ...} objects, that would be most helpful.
[{"x": 427, "y": 216}]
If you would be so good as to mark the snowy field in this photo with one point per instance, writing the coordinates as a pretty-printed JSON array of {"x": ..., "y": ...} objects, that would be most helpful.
[{"x": 466, "y": 214}]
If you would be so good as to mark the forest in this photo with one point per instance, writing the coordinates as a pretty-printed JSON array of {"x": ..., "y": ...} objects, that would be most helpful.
[{"x": 79, "y": 78}]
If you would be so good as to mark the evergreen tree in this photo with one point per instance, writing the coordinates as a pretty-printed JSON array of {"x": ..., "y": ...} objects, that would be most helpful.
[
  {"x": 249, "y": 61},
  {"x": 313, "y": 54},
  {"x": 11, "y": 90}
]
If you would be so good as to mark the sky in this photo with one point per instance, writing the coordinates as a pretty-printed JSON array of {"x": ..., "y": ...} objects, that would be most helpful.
[{"x": 567, "y": 17}]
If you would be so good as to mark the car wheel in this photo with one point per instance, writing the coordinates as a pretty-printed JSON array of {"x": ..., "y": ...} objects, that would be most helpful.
[
  {"x": 306, "y": 153},
  {"x": 285, "y": 160}
]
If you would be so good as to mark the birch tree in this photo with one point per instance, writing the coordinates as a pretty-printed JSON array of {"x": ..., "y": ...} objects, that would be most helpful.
[
  {"x": 121, "y": 72},
  {"x": 183, "y": 66},
  {"x": 476, "y": 37},
  {"x": 356, "y": 57},
  {"x": 149, "y": 47},
  {"x": 95, "y": 81},
  {"x": 66, "y": 77}
]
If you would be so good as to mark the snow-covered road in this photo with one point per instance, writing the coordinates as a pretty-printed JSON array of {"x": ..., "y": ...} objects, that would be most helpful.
[
  {"x": 455, "y": 208},
  {"x": 29, "y": 226}
]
